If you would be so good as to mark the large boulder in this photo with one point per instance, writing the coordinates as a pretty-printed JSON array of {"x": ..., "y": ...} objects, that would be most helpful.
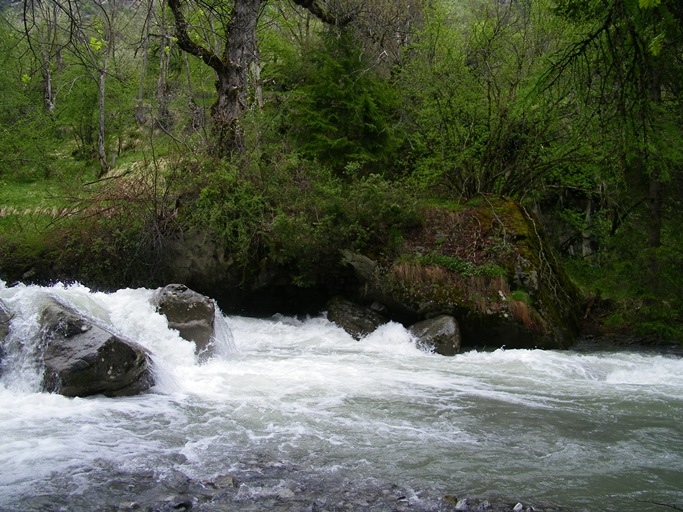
[
  {"x": 440, "y": 334},
  {"x": 191, "y": 314},
  {"x": 83, "y": 359},
  {"x": 357, "y": 320},
  {"x": 488, "y": 264}
]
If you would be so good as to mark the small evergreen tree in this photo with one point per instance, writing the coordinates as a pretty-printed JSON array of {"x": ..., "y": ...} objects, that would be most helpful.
[{"x": 345, "y": 115}]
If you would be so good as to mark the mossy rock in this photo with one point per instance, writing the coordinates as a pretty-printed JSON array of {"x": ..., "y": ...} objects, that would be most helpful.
[{"x": 489, "y": 265}]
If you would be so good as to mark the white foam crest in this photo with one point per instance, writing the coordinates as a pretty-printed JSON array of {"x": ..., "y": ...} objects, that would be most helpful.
[
  {"x": 642, "y": 370},
  {"x": 392, "y": 339},
  {"x": 134, "y": 316},
  {"x": 22, "y": 369},
  {"x": 536, "y": 364},
  {"x": 82, "y": 299},
  {"x": 281, "y": 333},
  {"x": 539, "y": 375}
]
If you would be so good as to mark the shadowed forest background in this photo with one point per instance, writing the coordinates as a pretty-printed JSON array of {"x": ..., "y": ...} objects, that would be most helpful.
[{"x": 288, "y": 130}]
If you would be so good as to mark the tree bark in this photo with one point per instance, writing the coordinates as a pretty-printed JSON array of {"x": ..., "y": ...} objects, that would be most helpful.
[
  {"x": 232, "y": 83},
  {"x": 231, "y": 68},
  {"x": 101, "y": 148}
]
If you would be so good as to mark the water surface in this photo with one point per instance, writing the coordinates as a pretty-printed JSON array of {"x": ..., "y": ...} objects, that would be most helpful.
[{"x": 296, "y": 411}]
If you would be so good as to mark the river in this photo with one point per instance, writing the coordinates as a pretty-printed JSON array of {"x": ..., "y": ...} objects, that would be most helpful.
[{"x": 294, "y": 414}]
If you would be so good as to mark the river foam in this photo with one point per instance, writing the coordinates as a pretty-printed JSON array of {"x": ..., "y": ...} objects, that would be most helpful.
[{"x": 293, "y": 403}]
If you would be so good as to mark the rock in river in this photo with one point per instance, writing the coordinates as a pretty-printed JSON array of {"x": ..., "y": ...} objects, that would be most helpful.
[
  {"x": 442, "y": 334},
  {"x": 83, "y": 359},
  {"x": 190, "y": 313},
  {"x": 357, "y": 320}
]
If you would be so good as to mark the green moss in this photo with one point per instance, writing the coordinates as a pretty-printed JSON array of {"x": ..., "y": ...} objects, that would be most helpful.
[
  {"x": 468, "y": 259},
  {"x": 521, "y": 296}
]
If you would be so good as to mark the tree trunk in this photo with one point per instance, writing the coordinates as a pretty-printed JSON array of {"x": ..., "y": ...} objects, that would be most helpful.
[
  {"x": 232, "y": 82},
  {"x": 256, "y": 79},
  {"x": 232, "y": 66},
  {"x": 654, "y": 235},
  {"x": 586, "y": 247},
  {"x": 654, "y": 229},
  {"x": 140, "y": 115},
  {"x": 164, "y": 114},
  {"x": 101, "y": 149},
  {"x": 232, "y": 69},
  {"x": 48, "y": 93},
  {"x": 655, "y": 196}
]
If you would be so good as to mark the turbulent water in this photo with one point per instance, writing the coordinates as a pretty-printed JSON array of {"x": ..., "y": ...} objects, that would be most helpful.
[{"x": 293, "y": 414}]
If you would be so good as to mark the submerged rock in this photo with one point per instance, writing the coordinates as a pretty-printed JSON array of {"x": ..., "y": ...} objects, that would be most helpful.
[
  {"x": 441, "y": 334},
  {"x": 357, "y": 320},
  {"x": 83, "y": 359},
  {"x": 5, "y": 318},
  {"x": 190, "y": 313}
]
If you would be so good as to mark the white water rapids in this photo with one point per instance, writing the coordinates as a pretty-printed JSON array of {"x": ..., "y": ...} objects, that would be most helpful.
[{"x": 298, "y": 412}]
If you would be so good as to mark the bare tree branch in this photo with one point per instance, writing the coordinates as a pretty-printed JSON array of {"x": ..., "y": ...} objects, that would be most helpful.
[{"x": 187, "y": 44}]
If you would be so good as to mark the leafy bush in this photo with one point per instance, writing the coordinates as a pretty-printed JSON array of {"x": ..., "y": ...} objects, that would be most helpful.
[
  {"x": 275, "y": 208},
  {"x": 230, "y": 207}
]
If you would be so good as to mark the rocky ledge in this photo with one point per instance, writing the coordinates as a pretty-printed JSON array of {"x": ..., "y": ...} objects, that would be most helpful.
[
  {"x": 487, "y": 268},
  {"x": 486, "y": 264},
  {"x": 486, "y": 271}
]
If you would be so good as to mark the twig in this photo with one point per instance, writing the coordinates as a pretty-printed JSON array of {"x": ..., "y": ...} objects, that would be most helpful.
[{"x": 107, "y": 178}]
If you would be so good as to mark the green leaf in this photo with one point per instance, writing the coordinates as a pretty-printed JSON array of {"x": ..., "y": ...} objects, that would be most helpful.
[
  {"x": 657, "y": 44},
  {"x": 96, "y": 44},
  {"x": 649, "y": 4}
]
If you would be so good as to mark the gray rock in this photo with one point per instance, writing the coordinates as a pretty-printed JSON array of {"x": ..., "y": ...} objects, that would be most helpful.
[
  {"x": 462, "y": 505},
  {"x": 83, "y": 359},
  {"x": 190, "y": 313},
  {"x": 442, "y": 334},
  {"x": 364, "y": 268},
  {"x": 5, "y": 318},
  {"x": 357, "y": 320}
]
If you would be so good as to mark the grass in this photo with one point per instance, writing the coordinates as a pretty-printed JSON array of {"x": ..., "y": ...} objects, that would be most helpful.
[{"x": 462, "y": 267}]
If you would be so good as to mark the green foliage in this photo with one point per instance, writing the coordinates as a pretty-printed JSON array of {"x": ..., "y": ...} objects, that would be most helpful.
[
  {"x": 232, "y": 208},
  {"x": 641, "y": 304},
  {"x": 625, "y": 67},
  {"x": 344, "y": 113},
  {"x": 477, "y": 124},
  {"x": 275, "y": 208},
  {"x": 521, "y": 296},
  {"x": 77, "y": 115},
  {"x": 26, "y": 130}
]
